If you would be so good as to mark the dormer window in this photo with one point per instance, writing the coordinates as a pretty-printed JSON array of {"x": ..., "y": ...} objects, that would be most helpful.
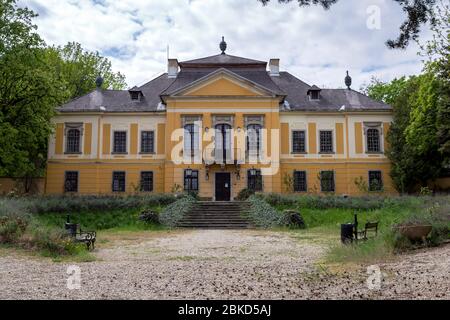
[
  {"x": 314, "y": 93},
  {"x": 135, "y": 94}
]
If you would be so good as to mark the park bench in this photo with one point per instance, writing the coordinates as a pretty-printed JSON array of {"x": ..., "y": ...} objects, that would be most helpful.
[
  {"x": 371, "y": 227},
  {"x": 350, "y": 232},
  {"x": 78, "y": 235}
]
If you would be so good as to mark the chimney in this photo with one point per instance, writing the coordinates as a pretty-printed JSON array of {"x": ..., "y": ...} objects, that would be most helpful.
[
  {"x": 274, "y": 67},
  {"x": 172, "y": 68}
]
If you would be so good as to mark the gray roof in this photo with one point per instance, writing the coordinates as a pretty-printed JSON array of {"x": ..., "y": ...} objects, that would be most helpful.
[
  {"x": 260, "y": 78},
  {"x": 286, "y": 86},
  {"x": 120, "y": 100},
  {"x": 330, "y": 99},
  {"x": 222, "y": 60}
]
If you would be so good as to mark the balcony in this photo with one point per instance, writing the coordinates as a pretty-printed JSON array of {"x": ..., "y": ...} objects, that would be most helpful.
[{"x": 224, "y": 156}]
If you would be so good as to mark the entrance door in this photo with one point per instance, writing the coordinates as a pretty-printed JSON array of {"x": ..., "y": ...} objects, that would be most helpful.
[{"x": 223, "y": 186}]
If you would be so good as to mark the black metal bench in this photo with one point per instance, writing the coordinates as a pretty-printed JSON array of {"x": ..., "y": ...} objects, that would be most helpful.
[
  {"x": 350, "y": 233},
  {"x": 78, "y": 235},
  {"x": 371, "y": 227}
]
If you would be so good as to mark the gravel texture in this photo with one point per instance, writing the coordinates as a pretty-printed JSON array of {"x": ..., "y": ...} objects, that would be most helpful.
[{"x": 220, "y": 264}]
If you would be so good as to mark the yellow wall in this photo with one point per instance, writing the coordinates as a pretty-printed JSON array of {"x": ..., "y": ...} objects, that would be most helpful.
[
  {"x": 345, "y": 175},
  {"x": 222, "y": 87},
  {"x": 358, "y": 137},
  {"x": 106, "y": 139},
  {"x": 59, "y": 149},
  {"x": 87, "y": 138},
  {"x": 95, "y": 173},
  {"x": 97, "y": 178}
]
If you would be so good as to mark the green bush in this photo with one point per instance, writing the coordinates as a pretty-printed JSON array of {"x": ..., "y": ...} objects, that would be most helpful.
[
  {"x": 337, "y": 202},
  {"x": 292, "y": 219},
  {"x": 262, "y": 214},
  {"x": 244, "y": 194},
  {"x": 174, "y": 212},
  {"x": 10, "y": 230},
  {"x": 68, "y": 204}
]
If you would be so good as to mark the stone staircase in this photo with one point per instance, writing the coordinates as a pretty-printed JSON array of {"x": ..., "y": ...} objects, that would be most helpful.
[{"x": 216, "y": 215}]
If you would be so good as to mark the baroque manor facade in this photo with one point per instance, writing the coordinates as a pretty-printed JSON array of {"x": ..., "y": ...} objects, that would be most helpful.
[{"x": 215, "y": 126}]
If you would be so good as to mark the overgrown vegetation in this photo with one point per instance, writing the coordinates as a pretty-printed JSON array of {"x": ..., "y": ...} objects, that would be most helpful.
[
  {"x": 262, "y": 214},
  {"x": 37, "y": 223},
  {"x": 324, "y": 215},
  {"x": 174, "y": 212},
  {"x": 336, "y": 202}
]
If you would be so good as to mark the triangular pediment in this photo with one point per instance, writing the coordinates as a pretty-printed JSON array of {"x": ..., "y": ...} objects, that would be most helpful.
[{"x": 223, "y": 83}]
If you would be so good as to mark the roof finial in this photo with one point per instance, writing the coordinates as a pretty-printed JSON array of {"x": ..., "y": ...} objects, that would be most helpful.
[
  {"x": 99, "y": 81},
  {"x": 223, "y": 45},
  {"x": 348, "y": 81}
]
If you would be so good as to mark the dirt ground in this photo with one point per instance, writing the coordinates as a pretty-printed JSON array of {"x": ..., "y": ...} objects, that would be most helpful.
[{"x": 220, "y": 264}]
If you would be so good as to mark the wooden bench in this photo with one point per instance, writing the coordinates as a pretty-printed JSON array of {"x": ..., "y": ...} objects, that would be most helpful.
[
  {"x": 369, "y": 227},
  {"x": 78, "y": 235}
]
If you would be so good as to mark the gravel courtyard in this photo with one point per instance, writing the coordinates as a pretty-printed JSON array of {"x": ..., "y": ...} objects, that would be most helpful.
[{"x": 220, "y": 264}]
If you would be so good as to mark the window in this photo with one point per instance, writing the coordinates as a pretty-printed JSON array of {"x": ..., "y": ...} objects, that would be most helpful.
[
  {"x": 375, "y": 181},
  {"x": 71, "y": 181},
  {"x": 120, "y": 142},
  {"x": 298, "y": 141},
  {"x": 147, "y": 181},
  {"x": 300, "y": 181},
  {"x": 315, "y": 95},
  {"x": 118, "y": 181},
  {"x": 254, "y": 180},
  {"x": 326, "y": 141},
  {"x": 373, "y": 140},
  {"x": 327, "y": 181},
  {"x": 223, "y": 143},
  {"x": 147, "y": 142},
  {"x": 254, "y": 140},
  {"x": 190, "y": 180},
  {"x": 191, "y": 140},
  {"x": 73, "y": 141},
  {"x": 135, "y": 95}
]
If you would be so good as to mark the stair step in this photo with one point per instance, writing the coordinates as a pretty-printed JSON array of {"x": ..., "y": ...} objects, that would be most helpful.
[{"x": 216, "y": 215}]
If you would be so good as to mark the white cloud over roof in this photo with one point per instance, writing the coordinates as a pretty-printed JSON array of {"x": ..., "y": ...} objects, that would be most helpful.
[{"x": 316, "y": 45}]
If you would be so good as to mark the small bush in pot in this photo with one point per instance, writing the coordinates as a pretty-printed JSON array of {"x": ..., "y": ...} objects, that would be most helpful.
[
  {"x": 292, "y": 219},
  {"x": 149, "y": 216}
]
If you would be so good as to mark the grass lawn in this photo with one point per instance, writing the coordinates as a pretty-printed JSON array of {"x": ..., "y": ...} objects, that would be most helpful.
[
  {"x": 324, "y": 228},
  {"x": 121, "y": 219}
]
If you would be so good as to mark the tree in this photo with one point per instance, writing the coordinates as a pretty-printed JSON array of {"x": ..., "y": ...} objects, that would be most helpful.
[
  {"x": 415, "y": 152},
  {"x": 418, "y": 13},
  {"x": 16, "y": 27},
  {"x": 79, "y": 69},
  {"x": 34, "y": 79},
  {"x": 29, "y": 92}
]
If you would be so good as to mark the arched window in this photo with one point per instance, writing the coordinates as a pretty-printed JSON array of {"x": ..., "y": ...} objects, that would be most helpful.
[
  {"x": 191, "y": 140},
  {"x": 373, "y": 140},
  {"x": 254, "y": 140},
  {"x": 73, "y": 141},
  {"x": 223, "y": 142}
]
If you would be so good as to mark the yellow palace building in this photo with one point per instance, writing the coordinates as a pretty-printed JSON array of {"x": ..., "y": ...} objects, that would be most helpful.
[{"x": 215, "y": 126}]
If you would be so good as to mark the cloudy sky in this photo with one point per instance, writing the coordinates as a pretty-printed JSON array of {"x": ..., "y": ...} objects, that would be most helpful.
[{"x": 317, "y": 46}]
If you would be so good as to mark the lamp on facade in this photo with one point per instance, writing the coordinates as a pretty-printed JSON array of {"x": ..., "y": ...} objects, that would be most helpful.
[
  {"x": 238, "y": 172},
  {"x": 206, "y": 173}
]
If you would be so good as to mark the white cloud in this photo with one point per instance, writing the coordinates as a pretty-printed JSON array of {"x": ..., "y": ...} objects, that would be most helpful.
[{"x": 314, "y": 44}]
